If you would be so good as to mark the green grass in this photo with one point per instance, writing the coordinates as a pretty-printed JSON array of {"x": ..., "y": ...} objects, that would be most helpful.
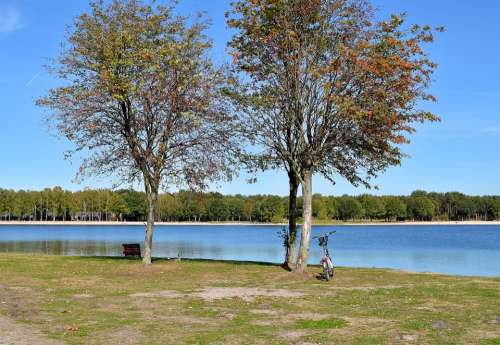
[
  {"x": 321, "y": 324},
  {"x": 91, "y": 301}
]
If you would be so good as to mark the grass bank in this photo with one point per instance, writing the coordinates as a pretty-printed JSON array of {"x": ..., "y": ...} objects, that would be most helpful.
[{"x": 73, "y": 300}]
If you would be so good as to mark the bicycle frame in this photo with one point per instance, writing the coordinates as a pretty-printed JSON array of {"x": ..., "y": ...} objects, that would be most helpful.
[{"x": 326, "y": 261}]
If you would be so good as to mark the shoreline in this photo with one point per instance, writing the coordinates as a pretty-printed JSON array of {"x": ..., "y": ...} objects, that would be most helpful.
[
  {"x": 253, "y": 262},
  {"x": 104, "y": 223}
]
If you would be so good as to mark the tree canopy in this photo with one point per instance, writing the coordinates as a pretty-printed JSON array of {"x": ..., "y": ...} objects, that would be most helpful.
[
  {"x": 142, "y": 100},
  {"x": 325, "y": 88}
]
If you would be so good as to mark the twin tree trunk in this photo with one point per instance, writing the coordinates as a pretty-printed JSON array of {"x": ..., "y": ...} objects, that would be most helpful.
[
  {"x": 305, "y": 239},
  {"x": 292, "y": 261},
  {"x": 292, "y": 223}
]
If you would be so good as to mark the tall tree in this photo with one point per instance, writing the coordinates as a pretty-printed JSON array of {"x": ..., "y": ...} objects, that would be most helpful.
[
  {"x": 143, "y": 99},
  {"x": 326, "y": 89},
  {"x": 350, "y": 208},
  {"x": 395, "y": 208}
]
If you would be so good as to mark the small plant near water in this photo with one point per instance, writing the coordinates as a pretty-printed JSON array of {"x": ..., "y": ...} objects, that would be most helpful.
[{"x": 284, "y": 235}]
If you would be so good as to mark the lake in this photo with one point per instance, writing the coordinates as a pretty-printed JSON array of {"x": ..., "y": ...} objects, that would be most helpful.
[{"x": 450, "y": 249}]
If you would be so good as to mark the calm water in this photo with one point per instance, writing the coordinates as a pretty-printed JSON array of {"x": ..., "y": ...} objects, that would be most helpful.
[{"x": 464, "y": 250}]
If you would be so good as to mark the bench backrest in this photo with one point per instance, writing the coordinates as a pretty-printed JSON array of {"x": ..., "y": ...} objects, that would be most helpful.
[{"x": 131, "y": 249}]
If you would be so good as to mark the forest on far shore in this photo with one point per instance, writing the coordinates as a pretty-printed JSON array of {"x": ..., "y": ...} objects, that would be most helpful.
[{"x": 130, "y": 205}]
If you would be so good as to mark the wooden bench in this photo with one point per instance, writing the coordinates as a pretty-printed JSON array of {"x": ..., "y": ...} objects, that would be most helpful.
[{"x": 132, "y": 249}]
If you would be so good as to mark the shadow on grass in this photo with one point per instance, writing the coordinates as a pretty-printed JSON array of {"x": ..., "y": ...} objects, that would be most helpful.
[{"x": 159, "y": 260}]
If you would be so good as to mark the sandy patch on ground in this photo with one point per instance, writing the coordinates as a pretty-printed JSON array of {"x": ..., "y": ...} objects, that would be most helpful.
[
  {"x": 292, "y": 335},
  {"x": 247, "y": 294},
  {"x": 264, "y": 323},
  {"x": 13, "y": 333},
  {"x": 264, "y": 312},
  {"x": 483, "y": 334},
  {"x": 358, "y": 326},
  {"x": 311, "y": 316},
  {"x": 407, "y": 337},
  {"x": 184, "y": 320},
  {"x": 123, "y": 336},
  {"x": 160, "y": 294},
  {"x": 83, "y": 296},
  {"x": 217, "y": 293}
]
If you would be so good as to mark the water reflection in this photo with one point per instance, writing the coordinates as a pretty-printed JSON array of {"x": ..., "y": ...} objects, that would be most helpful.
[
  {"x": 74, "y": 248},
  {"x": 467, "y": 250}
]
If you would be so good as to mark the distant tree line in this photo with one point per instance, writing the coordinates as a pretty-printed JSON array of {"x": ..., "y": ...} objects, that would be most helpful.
[{"x": 130, "y": 205}]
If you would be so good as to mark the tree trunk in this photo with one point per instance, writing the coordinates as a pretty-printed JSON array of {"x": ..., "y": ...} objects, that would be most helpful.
[
  {"x": 305, "y": 239},
  {"x": 152, "y": 196},
  {"x": 292, "y": 223}
]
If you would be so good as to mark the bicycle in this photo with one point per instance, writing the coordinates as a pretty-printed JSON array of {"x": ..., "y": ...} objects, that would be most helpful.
[{"x": 326, "y": 261}]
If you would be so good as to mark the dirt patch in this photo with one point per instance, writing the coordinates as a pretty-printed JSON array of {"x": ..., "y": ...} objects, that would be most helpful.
[
  {"x": 160, "y": 294},
  {"x": 409, "y": 338},
  {"x": 186, "y": 320},
  {"x": 20, "y": 288},
  {"x": 425, "y": 308},
  {"x": 367, "y": 288},
  {"x": 495, "y": 321},
  {"x": 123, "y": 336},
  {"x": 292, "y": 335},
  {"x": 15, "y": 333},
  {"x": 224, "y": 313},
  {"x": 264, "y": 312},
  {"x": 247, "y": 294},
  {"x": 366, "y": 320},
  {"x": 80, "y": 282},
  {"x": 440, "y": 324},
  {"x": 217, "y": 293},
  {"x": 83, "y": 296},
  {"x": 18, "y": 307},
  {"x": 263, "y": 322},
  {"x": 482, "y": 335},
  {"x": 359, "y": 325},
  {"x": 311, "y": 316}
]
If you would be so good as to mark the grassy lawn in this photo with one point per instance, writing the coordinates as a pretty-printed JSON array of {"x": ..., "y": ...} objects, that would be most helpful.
[{"x": 118, "y": 301}]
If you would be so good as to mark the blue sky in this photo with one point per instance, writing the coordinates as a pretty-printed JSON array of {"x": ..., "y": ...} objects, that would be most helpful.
[{"x": 461, "y": 153}]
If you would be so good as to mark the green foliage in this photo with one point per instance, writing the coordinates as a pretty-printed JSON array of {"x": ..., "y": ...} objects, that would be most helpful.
[
  {"x": 269, "y": 209},
  {"x": 141, "y": 97},
  {"x": 320, "y": 207},
  {"x": 350, "y": 208},
  {"x": 135, "y": 202},
  {"x": 374, "y": 207},
  {"x": 325, "y": 87},
  {"x": 421, "y": 207},
  {"x": 395, "y": 208},
  {"x": 217, "y": 210},
  {"x": 118, "y": 205}
]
